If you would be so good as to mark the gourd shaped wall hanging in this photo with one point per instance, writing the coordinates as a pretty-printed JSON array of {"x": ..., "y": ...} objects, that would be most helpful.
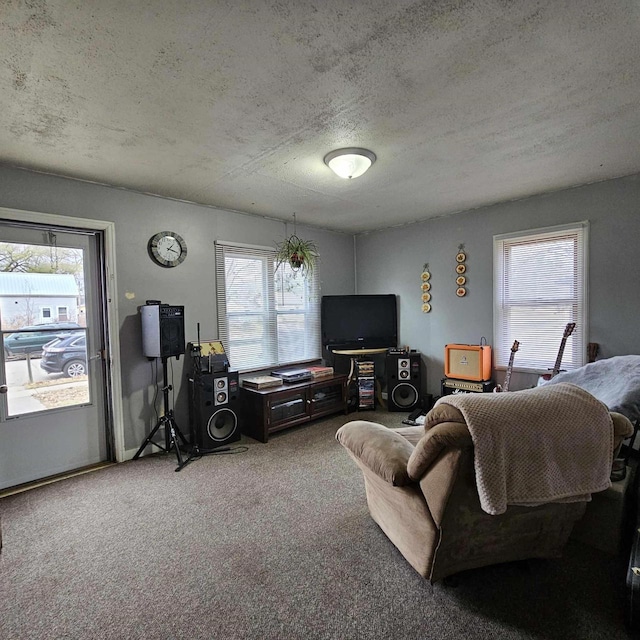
[
  {"x": 461, "y": 270},
  {"x": 425, "y": 288}
]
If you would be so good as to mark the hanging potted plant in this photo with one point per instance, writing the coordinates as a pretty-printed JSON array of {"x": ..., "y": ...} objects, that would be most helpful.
[{"x": 299, "y": 254}]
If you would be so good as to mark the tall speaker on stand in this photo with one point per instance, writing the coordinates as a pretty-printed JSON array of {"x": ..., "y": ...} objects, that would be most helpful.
[
  {"x": 163, "y": 337},
  {"x": 404, "y": 380},
  {"x": 162, "y": 330}
]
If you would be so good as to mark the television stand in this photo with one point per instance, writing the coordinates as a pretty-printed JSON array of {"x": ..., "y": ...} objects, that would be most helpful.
[{"x": 266, "y": 411}]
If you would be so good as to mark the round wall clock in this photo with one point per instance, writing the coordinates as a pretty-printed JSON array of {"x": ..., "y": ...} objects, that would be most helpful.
[{"x": 167, "y": 249}]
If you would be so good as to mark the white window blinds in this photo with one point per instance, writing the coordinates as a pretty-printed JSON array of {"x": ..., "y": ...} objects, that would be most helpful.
[
  {"x": 540, "y": 285},
  {"x": 266, "y": 317}
]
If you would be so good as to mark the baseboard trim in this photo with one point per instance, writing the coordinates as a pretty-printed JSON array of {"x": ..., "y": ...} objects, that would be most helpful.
[
  {"x": 128, "y": 455},
  {"x": 27, "y": 486},
  {"x": 149, "y": 450}
]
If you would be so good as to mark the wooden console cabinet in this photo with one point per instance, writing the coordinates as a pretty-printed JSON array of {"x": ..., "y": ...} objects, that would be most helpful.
[{"x": 265, "y": 411}]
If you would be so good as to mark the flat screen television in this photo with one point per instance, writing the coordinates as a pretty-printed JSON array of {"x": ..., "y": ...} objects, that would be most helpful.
[{"x": 359, "y": 321}]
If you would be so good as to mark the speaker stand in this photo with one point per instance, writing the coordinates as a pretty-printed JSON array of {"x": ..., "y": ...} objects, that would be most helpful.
[{"x": 172, "y": 432}]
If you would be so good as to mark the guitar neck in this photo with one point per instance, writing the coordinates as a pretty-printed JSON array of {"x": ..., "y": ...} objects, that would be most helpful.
[
  {"x": 556, "y": 367},
  {"x": 507, "y": 377}
]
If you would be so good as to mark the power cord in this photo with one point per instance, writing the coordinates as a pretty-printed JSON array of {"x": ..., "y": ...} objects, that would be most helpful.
[
  {"x": 154, "y": 377},
  {"x": 201, "y": 453},
  {"x": 173, "y": 389}
]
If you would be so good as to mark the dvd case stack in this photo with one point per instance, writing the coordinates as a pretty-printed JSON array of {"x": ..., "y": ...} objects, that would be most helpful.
[{"x": 366, "y": 384}]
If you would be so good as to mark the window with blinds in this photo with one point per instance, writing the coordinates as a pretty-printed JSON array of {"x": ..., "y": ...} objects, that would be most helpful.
[
  {"x": 267, "y": 317},
  {"x": 540, "y": 285}
]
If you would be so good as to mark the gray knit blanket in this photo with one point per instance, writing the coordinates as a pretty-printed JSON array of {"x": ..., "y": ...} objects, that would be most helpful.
[
  {"x": 548, "y": 444},
  {"x": 614, "y": 381}
]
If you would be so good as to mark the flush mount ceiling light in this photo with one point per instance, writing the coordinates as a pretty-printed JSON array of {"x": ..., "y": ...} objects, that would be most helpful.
[{"x": 350, "y": 162}]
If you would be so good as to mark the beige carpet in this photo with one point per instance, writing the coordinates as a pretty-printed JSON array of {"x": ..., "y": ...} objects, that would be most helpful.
[{"x": 272, "y": 543}]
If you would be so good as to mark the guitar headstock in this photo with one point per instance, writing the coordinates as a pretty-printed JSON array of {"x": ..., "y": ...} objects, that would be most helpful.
[
  {"x": 568, "y": 330},
  {"x": 515, "y": 346}
]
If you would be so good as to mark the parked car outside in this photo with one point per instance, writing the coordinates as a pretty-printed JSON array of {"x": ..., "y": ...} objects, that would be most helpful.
[
  {"x": 66, "y": 354},
  {"x": 32, "y": 339}
]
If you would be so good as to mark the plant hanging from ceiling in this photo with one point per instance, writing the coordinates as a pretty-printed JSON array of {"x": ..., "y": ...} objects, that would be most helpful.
[{"x": 299, "y": 254}]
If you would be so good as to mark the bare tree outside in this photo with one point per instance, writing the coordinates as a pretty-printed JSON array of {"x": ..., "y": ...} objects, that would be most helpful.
[
  {"x": 28, "y": 317},
  {"x": 29, "y": 258}
]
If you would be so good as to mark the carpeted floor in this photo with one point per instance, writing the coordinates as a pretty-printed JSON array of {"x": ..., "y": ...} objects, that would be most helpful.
[{"x": 273, "y": 543}]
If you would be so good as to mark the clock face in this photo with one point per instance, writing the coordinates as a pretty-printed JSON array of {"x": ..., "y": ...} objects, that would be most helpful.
[{"x": 167, "y": 248}]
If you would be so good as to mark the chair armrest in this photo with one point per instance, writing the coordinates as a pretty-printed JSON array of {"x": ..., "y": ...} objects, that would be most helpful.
[
  {"x": 622, "y": 429},
  {"x": 622, "y": 426},
  {"x": 452, "y": 435},
  {"x": 377, "y": 448}
]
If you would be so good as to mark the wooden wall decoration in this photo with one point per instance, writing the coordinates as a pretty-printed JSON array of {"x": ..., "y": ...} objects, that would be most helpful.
[
  {"x": 425, "y": 288},
  {"x": 461, "y": 270}
]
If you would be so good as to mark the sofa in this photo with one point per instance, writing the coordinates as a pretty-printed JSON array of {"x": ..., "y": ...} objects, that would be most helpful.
[{"x": 422, "y": 488}]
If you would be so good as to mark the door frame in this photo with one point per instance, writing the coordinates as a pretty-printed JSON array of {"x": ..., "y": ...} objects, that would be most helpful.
[{"x": 110, "y": 302}]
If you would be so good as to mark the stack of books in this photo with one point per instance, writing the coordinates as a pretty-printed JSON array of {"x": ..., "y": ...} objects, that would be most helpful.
[
  {"x": 261, "y": 382},
  {"x": 321, "y": 372}
]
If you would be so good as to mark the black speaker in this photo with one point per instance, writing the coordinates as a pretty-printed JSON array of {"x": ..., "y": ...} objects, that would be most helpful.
[
  {"x": 213, "y": 409},
  {"x": 404, "y": 380},
  {"x": 162, "y": 330}
]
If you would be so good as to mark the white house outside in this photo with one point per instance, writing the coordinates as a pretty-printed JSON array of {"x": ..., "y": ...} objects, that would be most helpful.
[{"x": 38, "y": 298}]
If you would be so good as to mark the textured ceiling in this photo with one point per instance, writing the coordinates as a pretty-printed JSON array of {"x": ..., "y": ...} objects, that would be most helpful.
[{"x": 235, "y": 104}]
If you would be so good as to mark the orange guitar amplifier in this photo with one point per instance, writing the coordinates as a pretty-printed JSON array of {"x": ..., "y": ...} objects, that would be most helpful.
[{"x": 467, "y": 361}]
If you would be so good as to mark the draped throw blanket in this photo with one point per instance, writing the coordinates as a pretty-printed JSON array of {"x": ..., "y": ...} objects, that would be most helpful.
[
  {"x": 549, "y": 444},
  {"x": 615, "y": 381}
]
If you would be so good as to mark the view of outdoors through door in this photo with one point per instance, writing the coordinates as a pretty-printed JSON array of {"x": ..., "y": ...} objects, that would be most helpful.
[
  {"x": 43, "y": 323},
  {"x": 53, "y": 371}
]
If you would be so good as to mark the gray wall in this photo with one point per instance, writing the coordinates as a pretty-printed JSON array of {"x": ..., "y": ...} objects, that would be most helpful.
[
  {"x": 137, "y": 217},
  {"x": 388, "y": 261},
  {"x": 391, "y": 260}
]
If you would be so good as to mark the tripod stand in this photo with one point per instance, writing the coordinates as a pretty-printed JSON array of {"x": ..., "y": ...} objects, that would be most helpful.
[{"x": 172, "y": 432}]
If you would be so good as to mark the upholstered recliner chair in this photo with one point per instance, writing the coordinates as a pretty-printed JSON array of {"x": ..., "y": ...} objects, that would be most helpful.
[{"x": 422, "y": 486}]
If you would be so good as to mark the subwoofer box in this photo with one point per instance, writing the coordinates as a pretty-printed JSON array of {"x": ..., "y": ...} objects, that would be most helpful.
[
  {"x": 213, "y": 409},
  {"x": 467, "y": 362}
]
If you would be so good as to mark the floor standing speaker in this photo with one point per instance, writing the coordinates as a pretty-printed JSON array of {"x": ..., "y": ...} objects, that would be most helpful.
[
  {"x": 404, "y": 380},
  {"x": 162, "y": 330},
  {"x": 213, "y": 409}
]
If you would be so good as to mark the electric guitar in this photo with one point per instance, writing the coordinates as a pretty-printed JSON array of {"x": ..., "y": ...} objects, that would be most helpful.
[
  {"x": 507, "y": 378},
  {"x": 568, "y": 330}
]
